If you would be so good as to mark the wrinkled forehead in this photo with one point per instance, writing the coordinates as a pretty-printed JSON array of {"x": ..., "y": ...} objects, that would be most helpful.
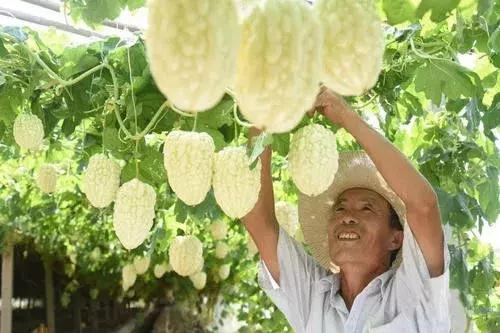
[{"x": 361, "y": 194}]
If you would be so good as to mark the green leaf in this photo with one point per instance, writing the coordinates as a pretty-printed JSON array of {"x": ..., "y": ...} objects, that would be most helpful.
[
  {"x": 181, "y": 211},
  {"x": 11, "y": 100},
  {"x": 494, "y": 42},
  {"x": 68, "y": 126},
  {"x": 490, "y": 80},
  {"x": 490, "y": 119},
  {"x": 459, "y": 276},
  {"x": 257, "y": 146},
  {"x": 398, "y": 11},
  {"x": 446, "y": 205},
  {"x": 440, "y": 76},
  {"x": 439, "y": 8},
  {"x": 76, "y": 60},
  {"x": 135, "y": 4},
  {"x": 138, "y": 61},
  {"x": 3, "y": 50},
  {"x": 482, "y": 277},
  {"x": 281, "y": 143},
  {"x": 96, "y": 11},
  {"x": 151, "y": 167},
  {"x": 111, "y": 142},
  {"x": 133, "y": 110},
  {"x": 488, "y": 199},
  {"x": 218, "y": 116},
  {"x": 217, "y": 136},
  {"x": 128, "y": 172}
]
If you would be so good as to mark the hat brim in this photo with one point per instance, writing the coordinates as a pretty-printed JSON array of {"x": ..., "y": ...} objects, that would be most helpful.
[{"x": 356, "y": 170}]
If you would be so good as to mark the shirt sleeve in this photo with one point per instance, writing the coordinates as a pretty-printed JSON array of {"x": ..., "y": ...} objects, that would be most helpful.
[
  {"x": 421, "y": 295},
  {"x": 298, "y": 272}
]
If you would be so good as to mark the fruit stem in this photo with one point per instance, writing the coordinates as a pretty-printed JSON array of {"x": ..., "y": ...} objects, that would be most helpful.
[
  {"x": 195, "y": 122},
  {"x": 136, "y": 159},
  {"x": 238, "y": 120}
]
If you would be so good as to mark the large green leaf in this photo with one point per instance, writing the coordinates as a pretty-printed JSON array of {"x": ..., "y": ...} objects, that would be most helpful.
[
  {"x": 94, "y": 12},
  {"x": 218, "y": 116},
  {"x": 75, "y": 60},
  {"x": 440, "y": 8},
  {"x": 112, "y": 142},
  {"x": 399, "y": 11},
  {"x": 494, "y": 42},
  {"x": 440, "y": 76},
  {"x": 10, "y": 104}
]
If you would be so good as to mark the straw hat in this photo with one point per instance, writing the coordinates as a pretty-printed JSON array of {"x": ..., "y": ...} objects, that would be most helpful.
[{"x": 356, "y": 170}]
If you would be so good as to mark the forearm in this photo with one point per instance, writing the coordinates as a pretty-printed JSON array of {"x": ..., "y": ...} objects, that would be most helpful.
[
  {"x": 263, "y": 211},
  {"x": 396, "y": 169},
  {"x": 261, "y": 221}
]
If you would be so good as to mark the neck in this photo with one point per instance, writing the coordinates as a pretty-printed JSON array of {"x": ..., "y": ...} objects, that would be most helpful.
[{"x": 354, "y": 278}]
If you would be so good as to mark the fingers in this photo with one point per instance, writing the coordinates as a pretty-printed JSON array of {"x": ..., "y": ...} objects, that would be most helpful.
[
  {"x": 322, "y": 88},
  {"x": 321, "y": 101}
]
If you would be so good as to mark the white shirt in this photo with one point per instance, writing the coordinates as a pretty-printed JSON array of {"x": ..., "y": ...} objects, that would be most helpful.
[{"x": 400, "y": 300}]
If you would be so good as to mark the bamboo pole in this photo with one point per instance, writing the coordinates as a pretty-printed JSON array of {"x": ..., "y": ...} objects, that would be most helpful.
[
  {"x": 50, "y": 23},
  {"x": 55, "y": 6},
  {"x": 7, "y": 285}
]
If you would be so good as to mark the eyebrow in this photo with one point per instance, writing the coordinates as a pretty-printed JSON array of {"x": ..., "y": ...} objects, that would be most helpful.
[{"x": 369, "y": 200}]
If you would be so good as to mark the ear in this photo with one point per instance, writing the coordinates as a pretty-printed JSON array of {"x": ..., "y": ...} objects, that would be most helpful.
[{"x": 396, "y": 240}]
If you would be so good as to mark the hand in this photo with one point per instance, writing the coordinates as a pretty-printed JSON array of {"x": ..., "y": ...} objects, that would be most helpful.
[
  {"x": 254, "y": 131},
  {"x": 331, "y": 105}
]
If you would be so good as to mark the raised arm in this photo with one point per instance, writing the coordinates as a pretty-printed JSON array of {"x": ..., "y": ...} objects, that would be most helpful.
[
  {"x": 261, "y": 221},
  {"x": 421, "y": 202}
]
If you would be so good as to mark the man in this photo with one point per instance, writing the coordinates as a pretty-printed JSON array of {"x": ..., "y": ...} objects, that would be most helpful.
[{"x": 377, "y": 204}]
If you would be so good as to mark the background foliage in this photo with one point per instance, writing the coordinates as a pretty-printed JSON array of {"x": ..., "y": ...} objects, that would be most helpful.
[{"x": 439, "y": 107}]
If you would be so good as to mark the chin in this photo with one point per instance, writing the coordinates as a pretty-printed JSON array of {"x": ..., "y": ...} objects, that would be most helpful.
[
  {"x": 340, "y": 258},
  {"x": 345, "y": 256}
]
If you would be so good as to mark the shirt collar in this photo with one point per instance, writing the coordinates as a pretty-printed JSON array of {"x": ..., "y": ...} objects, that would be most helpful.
[
  {"x": 332, "y": 283},
  {"x": 383, "y": 279}
]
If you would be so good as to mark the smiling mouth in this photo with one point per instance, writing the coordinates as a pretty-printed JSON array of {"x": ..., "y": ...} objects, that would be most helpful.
[{"x": 348, "y": 236}]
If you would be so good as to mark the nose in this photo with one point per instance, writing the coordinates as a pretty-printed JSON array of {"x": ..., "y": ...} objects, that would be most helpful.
[{"x": 348, "y": 219}]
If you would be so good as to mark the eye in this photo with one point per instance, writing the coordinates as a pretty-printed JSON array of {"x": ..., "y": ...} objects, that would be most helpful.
[
  {"x": 367, "y": 208},
  {"x": 338, "y": 209}
]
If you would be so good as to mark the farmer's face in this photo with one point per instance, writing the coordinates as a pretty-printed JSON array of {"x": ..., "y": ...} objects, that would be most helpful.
[{"x": 359, "y": 231}]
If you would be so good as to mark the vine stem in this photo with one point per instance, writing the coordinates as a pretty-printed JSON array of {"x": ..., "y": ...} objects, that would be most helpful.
[
  {"x": 238, "y": 120},
  {"x": 195, "y": 122},
  {"x": 176, "y": 110},
  {"x": 365, "y": 104},
  {"x": 62, "y": 81},
  {"x": 236, "y": 133},
  {"x": 115, "y": 105},
  {"x": 105, "y": 65},
  {"x": 151, "y": 123},
  {"x": 82, "y": 76},
  {"x": 136, "y": 137},
  {"x": 132, "y": 88},
  {"x": 235, "y": 109},
  {"x": 418, "y": 53},
  {"x": 136, "y": 160}
]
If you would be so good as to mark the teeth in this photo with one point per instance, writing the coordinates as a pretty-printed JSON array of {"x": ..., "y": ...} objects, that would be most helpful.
[{"x": 348, "y": 235}]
